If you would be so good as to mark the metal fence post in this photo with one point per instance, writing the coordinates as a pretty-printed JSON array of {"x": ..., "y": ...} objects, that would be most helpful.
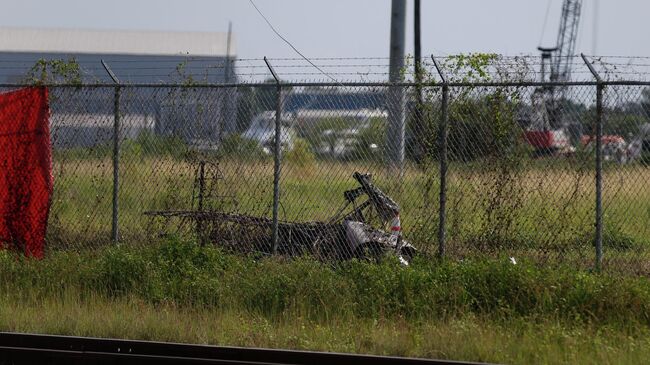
[
  {"x": 599, "y": 176},
  {"x": 116, "y": 152},
  {"x": 277, "y": 156},
  {"x": 442, "y": 143},
  {"x": 199, "y": 222},
  {"x": 396, "y": 126},
  {"x": 598, "y": 242}
]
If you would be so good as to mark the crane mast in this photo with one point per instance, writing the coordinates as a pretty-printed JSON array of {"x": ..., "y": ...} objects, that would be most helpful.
[
  {"x": 546, "y": 131},
  {"x": 559, "y": 57},
  {"x": 566, "y": 40}
]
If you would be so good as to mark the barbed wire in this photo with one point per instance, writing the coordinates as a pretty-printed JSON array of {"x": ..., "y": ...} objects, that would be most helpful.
[{"x": 349, "y": 69}]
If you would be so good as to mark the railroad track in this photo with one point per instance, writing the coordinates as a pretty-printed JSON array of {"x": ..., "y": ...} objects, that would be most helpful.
[{"x": 18, "y": 348}]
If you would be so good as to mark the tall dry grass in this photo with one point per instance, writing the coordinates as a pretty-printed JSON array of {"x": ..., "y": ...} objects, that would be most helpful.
[{"x": 544, "y": 209}]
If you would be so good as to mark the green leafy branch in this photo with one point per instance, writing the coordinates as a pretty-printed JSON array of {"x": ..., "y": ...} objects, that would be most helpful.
[{"x": 54, "y": 71}]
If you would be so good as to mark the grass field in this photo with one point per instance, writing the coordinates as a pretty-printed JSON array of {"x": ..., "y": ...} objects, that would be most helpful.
[
  {"x": 517, "y": 285},
  {"x": 544, "y": 209},
  {"x": 476, "y": 305},
  {"x": 481, "y": 310},
  {"x": 520, "y": 341}
]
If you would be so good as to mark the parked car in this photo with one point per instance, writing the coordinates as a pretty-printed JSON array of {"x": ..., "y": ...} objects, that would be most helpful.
[
  {"x": 262, "y": 130},
  {"x": 342, "y": 133},
  {"x": 614, "y": 147},
  {"x": 640, "y": 144}
]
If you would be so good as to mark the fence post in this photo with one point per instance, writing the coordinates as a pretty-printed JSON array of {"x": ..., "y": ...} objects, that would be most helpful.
[
  {"x": 442, "y": 143},
  {"x": 116, "y": 152},
  {"x": 396, "y": 126},
  {"x": 277, "y": 155},
  {"x": 199, "y": 222},
  {"x": 600, "y": 86}
]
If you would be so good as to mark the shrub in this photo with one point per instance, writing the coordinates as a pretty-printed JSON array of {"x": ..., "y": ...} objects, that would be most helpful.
[
  {"x": 644, "y": 159},
  {"x": 151, "y": 144},
  {"x": 371, "y": 143},
  {"x": 120, "y": 270},
  {"x": 301, "y": 155},
  {"x": 235, "y": 146},
  {"x": 613, "y": 237},
  {"x": 185, "y": 273},
  {"x": 146, "y": 144}
]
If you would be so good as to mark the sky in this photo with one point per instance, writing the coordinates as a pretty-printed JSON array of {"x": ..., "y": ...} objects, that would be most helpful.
[{"x": 355, "y": 28}]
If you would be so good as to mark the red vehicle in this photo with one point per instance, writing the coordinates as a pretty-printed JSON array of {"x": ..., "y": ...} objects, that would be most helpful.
[
  {"x": 548, "y": 142},
  {"x": 614, "y": 147}
]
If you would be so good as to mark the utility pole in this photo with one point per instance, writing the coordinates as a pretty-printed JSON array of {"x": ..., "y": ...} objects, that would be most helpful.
[
  {"x": 594, "y": 32},
  {"x": 418, "y": 122},
  {"x": 227, "y": 65},
  {"x": 417, "y": 46},
  {"x": 227, "y": 114},
  {"x": 396, "y": 101}
]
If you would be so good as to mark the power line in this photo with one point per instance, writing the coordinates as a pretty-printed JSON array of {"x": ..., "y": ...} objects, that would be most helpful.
[
  {"x": 548, "y": 7},
  {"x": 289, "y": 43},
  {"x": 594, "y": 33}
]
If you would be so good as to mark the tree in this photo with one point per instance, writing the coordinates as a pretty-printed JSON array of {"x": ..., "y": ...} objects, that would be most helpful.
[
  {"x": 645, "y": 102},
  {"x": 252, "y": 100}
]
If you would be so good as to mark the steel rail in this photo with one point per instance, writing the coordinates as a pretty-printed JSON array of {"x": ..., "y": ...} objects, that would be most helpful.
[{"x": 21, "y": 348}]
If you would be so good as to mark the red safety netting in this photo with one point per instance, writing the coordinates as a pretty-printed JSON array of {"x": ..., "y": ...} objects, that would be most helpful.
[{"x": 25, "y": 169}]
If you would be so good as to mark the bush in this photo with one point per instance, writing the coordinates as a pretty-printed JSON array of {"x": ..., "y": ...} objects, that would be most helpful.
[
  {"x": 185, "y": 273},
  {"x": 119, "y": 270},
  {"x": 644, "y": 159},
  {"x": 301, "y": 155},
  {"x": 235, "y": 146},
  {"x": 485, "y": 127},
  {"x": 151, "y": 144},
  {"x": 371, "y": 142},
  {"x": 304, "y": 286},
  {"x": 146, "y": 144},
  {"x": 615, "y": 238},
  {"x": 99, "y": 151}
]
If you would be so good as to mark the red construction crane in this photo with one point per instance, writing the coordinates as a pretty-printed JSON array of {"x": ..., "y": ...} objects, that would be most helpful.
[{"x": 547, "y": 130}]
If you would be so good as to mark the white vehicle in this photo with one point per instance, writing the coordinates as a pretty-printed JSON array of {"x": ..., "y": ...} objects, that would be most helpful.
[
  {"x": 262, "y": 130},
  {"x": 640, "y": 143},
  {"x": 337, "y": 133}
]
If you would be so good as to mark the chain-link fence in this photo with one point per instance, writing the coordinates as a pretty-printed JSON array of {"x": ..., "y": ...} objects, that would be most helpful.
[{"x": 476, "y": 160}]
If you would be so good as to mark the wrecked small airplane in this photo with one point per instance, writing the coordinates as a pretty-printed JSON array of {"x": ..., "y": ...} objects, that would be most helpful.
[{"x": 348, "y": 234}]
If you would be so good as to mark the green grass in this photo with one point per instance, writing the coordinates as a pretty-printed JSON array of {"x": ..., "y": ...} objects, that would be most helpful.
[
  {"x": 545, "y": 208},
  {"x": 184, "y": 273},
  {"x": 482, "y": 310},
  {"x": 469, "y": 338}
]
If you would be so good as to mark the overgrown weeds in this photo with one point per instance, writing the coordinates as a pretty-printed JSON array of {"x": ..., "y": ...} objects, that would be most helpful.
[{"x": 185, "y": 274}]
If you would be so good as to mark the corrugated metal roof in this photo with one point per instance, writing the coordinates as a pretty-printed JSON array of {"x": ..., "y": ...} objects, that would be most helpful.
[
  {"x": 100, "y": 120},
  {"x": 114, "y": 42}
]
